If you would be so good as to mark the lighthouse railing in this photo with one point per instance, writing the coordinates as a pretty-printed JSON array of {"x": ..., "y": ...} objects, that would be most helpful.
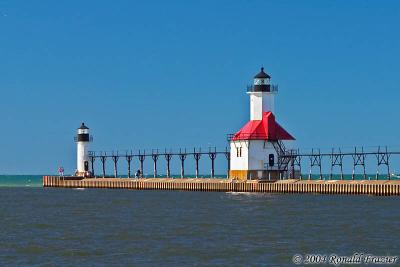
[
  {"x": 90, "y": 139},
  {"x": 272, "y": 88},
  {"x": 246, "y": 136}
]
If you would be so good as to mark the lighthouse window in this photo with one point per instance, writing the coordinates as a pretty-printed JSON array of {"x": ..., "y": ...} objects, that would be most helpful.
[{"x": 238, "y": 152}]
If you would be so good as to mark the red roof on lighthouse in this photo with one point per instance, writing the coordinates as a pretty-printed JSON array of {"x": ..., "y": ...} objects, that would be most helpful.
[{"x": 265, "y": 129}]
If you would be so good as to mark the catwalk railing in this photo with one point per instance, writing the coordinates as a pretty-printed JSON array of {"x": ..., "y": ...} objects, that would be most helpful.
[
  {"x": 336, "y": 159},
  {"x": 155, "y": 155},
  {"x": 291, "y": 163}
]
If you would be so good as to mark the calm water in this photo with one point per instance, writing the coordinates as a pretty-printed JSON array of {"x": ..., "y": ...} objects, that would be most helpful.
[{"x": 98, "y": 227}]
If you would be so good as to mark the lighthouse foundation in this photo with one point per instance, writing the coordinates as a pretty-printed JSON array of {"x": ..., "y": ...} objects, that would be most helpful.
[
  {"x": 84, "y": 174},
  {"x": 243, "y": 175}
]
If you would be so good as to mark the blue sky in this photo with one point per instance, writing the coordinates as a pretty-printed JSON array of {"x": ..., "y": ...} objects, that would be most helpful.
[{"x": 155, "y": 74}]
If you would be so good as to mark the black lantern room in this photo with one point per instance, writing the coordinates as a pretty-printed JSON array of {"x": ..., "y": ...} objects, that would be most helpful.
[
  {"x": 83, "y": 134},
  {"x": 262, "y": 82}
]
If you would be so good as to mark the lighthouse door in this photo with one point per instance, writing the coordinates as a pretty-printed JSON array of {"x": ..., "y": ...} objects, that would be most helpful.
[
  {"x": 271, "y": 160},
  {"x": 86, "y": 165}
]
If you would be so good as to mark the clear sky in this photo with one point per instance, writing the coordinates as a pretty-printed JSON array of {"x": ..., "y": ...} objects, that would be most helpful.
[{"x": 155, "y": 74}]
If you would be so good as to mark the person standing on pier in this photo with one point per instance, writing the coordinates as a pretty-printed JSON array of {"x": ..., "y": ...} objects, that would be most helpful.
[{"x": 61, "y": 171}]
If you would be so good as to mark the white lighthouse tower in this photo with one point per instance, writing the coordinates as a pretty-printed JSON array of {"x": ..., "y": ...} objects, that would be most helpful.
[
  {"x": 82, "y": 140},
  {"x": 258, "y": 149},
  {"x": 262, "y": 95}
]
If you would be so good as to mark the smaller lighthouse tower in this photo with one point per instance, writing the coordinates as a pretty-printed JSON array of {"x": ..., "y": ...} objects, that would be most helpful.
[{"x": 82, "y": 140}]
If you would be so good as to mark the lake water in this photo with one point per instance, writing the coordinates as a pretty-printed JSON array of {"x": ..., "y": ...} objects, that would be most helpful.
[{"x": 102, "y": 227}]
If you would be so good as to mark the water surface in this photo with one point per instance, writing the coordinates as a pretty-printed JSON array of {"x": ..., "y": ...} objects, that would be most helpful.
[{"x": 101, "y": 227}]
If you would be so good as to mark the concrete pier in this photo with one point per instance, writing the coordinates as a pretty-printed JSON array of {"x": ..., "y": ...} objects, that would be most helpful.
[{"x": 378, "y": 188}]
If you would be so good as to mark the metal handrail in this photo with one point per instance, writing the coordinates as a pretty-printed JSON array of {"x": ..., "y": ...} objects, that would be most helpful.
[
  {"x": 272, "y": 88},
  {"x": 248, "y": 136},
  {"x": 90, "y": 139},
  {"x": 211, "y": 150}
]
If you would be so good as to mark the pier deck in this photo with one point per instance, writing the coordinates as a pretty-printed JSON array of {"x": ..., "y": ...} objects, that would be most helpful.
[{"x": 370, "y": 187}]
